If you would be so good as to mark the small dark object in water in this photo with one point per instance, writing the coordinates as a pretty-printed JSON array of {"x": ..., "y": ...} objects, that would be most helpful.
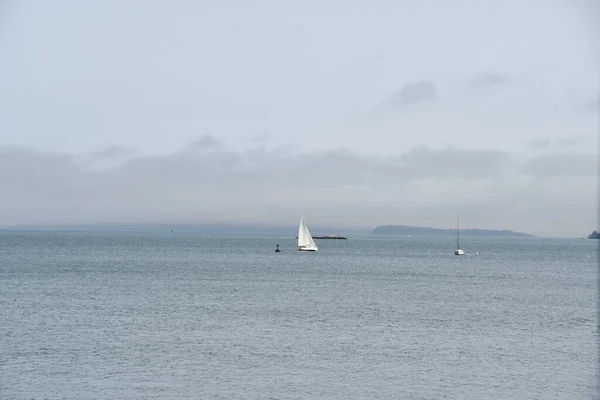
[{"x": 277, "y": 249}]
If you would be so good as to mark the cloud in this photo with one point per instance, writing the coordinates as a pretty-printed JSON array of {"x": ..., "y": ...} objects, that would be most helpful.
[
  {"x": 416, "y": 92},
  {"x": 205, "y": 142},
  {"x": 112, "y": 152},
  {"x": 591, "y": 106},
  {"x": 452, "y": 163},
  {"x": 421, "y": 186},
  {"x": 559, "y": 143},
  {"x": 571, "y": 141},
  {"x": 540, "y": 143},
  {"x": 489, "y": 78},
  {"x": 562, "y": 165},
  {"x": 588, "y": 106},
  {"x": 261, "y": 137}
]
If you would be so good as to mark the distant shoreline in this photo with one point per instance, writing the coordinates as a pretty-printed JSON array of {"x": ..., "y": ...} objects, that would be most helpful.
[
  {"x": 196, "y": 229},
  {"x": 333, "y": 237},
  {"x": 257, "y": 229},
  {"x": 418, "y": 230}
]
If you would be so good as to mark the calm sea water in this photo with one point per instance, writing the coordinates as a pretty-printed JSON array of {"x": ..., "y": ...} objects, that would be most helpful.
[{"x": 104, "y": 316}]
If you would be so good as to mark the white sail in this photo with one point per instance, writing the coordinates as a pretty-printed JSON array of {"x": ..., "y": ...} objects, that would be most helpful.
[{"x": 305, "y": 240}]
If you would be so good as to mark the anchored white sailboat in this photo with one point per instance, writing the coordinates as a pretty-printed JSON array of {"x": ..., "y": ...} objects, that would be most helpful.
[
  {"x": 305, "y": 240},
  {"x": 458, "y": 251}
]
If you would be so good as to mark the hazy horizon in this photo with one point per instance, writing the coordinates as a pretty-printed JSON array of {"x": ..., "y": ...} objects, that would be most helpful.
[
  {"x": 233, "y": 227},
  {"x": 354, "y": 115}
]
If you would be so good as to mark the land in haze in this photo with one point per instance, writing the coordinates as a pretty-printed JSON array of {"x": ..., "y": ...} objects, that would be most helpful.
[
  {"x": 270, "y": 230},
  {"x": 318, "y": 232},
  {"x": 418, "y": 230}
]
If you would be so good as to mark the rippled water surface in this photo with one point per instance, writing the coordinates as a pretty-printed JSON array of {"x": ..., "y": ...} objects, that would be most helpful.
[{"x": 104, "y": 316}]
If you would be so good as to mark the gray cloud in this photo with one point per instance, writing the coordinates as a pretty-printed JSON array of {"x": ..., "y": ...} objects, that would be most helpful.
[
  {"x": 540, "y": 143},
  {"x": 563, "y": 165},
  {"x": 411, "y": 93},
  {"x": 261, "y": 137},
  {"x": 451, "y": 163},
  {"x": 489, "y": 78},
  {"x": 592, "y": 106},
  {"x": 111, "y": 152},
  {"x": 205, "y": 142},
  {"x": 571, "y": 141},
  {"x": 260, "y": 185},
  {"x": 588, "y": 106},
  {"x": 559, "y": 143}
]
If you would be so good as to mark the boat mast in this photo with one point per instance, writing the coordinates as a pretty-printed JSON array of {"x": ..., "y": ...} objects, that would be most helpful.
[{"x": 457, "y": 235}]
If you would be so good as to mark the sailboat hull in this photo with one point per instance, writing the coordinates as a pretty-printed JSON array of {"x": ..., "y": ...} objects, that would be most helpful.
[{"x": 301, "y": 249}]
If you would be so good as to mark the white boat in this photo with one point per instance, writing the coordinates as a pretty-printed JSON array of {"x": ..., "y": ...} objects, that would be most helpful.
[
  {"x": 458, "y": 251},
  {"x": 305, "y": 240}
]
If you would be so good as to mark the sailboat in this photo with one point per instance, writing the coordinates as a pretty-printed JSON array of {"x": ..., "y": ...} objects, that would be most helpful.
[
  {"x": 305, "y": 240},
  {"x": 458, "y": 251}
]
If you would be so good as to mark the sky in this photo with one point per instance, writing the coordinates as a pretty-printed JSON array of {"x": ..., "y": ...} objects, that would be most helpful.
[{"x": 353, "y": 113}]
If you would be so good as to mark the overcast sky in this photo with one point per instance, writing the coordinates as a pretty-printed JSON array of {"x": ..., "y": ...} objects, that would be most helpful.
[{"x": 353, "y": 113}]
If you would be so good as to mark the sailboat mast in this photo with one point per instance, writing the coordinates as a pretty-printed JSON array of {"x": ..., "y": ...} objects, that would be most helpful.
[{"x": 457, "y": 235}]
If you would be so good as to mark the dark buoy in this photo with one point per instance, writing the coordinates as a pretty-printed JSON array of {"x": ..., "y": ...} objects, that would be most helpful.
[{"x": 277, "y": 249}]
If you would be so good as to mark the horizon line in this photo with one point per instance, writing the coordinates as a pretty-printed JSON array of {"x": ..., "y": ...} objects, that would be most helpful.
[{"x": 235, "y": 227}]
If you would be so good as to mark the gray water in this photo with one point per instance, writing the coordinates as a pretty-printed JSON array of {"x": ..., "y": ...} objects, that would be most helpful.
[{"x": 181, "y": 317}]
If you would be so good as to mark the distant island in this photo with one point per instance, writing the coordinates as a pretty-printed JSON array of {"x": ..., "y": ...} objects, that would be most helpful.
[
  {"x": 594, "y": 235},
  {"x": 418, "y": 230}
]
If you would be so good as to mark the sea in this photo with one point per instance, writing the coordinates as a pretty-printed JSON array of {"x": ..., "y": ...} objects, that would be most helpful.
[{"x": 100, "y": 315}]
